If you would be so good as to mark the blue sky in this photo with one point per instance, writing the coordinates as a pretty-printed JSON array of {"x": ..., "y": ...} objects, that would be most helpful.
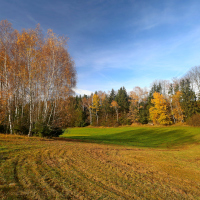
[{"x": 117, "y": 43}]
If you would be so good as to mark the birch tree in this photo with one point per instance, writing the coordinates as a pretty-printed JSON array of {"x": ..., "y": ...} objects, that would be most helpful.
[
  {"x": 5, "y": 49},
  {"x": 96, "y": 106},
  {"x": 115, "y": 105},
  {"x": 36, "y": 76}
]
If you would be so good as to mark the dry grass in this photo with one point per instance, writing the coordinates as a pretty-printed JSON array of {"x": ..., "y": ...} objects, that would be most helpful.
[{"x": 32, "y": 168}]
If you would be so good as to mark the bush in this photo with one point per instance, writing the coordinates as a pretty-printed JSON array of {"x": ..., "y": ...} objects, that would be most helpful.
[
  {"x": 21, "y": 127},
  {"x": 43, "y": 130},
  {"x": 2, "y": 129},
  {"x": 124, "y": 121},
  {"x": 194, "y": 120},
  {"x": 79, "y": 124},
  {"x": 143, "y": 120},
  {"x": 56, "y": 131}
]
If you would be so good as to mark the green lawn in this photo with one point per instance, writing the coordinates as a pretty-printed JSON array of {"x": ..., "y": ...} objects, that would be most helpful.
[{"x": 153, "y": 137}]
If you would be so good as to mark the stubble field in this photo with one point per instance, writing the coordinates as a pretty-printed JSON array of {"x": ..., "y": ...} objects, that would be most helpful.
[{"x": 87, "y": 166}]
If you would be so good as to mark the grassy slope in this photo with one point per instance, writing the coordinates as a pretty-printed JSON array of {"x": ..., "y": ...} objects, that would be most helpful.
[
  {"x": 32, "y": 168},
  {"x": 154, "y": 137}
]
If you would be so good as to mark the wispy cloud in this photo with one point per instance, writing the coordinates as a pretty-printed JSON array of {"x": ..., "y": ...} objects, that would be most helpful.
[
  {"x": 32, "y": 19},
  {"x": 119, "y": 43}
]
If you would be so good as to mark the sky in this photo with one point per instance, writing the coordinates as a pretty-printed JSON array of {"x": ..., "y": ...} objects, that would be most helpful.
[{"x": 117, "y": 43}]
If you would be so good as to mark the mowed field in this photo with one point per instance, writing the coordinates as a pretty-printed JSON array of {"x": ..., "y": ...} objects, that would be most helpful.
[{"x": 103, "y": 163}]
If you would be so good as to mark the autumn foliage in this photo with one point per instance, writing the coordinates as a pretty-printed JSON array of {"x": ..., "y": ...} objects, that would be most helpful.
[
  {"x": 159, "y": 113},
  {"x": 37, "y": 75}
]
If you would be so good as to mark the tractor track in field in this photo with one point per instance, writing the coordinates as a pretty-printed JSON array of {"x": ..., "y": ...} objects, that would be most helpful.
[{"x": 69, "y": 170}]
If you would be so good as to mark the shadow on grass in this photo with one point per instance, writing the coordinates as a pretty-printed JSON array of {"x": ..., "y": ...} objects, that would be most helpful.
[{"x": 154, "y": 138}]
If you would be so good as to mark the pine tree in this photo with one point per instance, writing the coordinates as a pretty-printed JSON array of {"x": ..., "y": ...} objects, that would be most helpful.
[
  {"x": 188, "y": 98},
  {"x": 122, "y": 100},
  {"x": 111, "y": 96}
]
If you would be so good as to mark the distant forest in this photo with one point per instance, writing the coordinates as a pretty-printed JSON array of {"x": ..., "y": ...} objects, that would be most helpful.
[
  {"x": 167, "y": 103},
  {"x": 37, "y": 77}
]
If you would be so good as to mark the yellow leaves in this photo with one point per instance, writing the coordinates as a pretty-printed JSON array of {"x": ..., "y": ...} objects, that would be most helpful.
[
  {"x": 164, "y": 119},
  {"x": 158, "y": 100},
  {"x": 159, "y": 111},
  {"x": 96, "y": 102}
]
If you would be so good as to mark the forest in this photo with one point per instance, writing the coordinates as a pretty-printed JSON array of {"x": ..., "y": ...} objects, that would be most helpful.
[
  {"x": 37, "y": 78},
  {"x": 166, "y": 103}
]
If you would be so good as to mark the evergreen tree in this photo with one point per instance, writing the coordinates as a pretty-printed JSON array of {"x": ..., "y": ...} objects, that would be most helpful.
[
  {"x": 111, "y": 96},
  {"x": 188, "y": 98},
  {"x": 154, "y": 88},
  {"x": 143, "y": 113},
  {"x": 122, "y": 100},
  {"x": 105, "y": 108}
]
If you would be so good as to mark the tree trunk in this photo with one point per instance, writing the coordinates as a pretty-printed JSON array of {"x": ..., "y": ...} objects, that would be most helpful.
[
  {"x": 97, "y": 118},
  {"x": 90, "y": 116}
]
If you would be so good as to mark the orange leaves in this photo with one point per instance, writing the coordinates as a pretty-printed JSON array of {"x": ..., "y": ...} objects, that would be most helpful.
[
  {"x": 87, "y": 102},
  {"x": 34, "y": 73},
  {"x": 176, "y": 107},
  {"x": 134, "y": 98},
  {"x": 56, "y": 61},
  {"x": 114, "y": 104},
  {"x": 27, "y": 39}
]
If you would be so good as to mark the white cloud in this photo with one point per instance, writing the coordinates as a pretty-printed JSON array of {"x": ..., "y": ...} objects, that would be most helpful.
[{"x": 82, "y": 92}]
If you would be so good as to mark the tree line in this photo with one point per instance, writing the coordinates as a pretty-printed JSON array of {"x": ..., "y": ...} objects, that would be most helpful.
[
  {"x": 166, "y": 103},
  {"x": 37, "y": 75}
]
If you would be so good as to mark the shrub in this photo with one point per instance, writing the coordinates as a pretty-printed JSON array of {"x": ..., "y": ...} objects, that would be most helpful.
[
  {"x": 2, "y": 129},
  {"x": 41, "y": 129},
  {"x": 194, "y": 120},
  {"x": 124, "y": 121},
  {"x": 21, "y": 127},
  {"x": 56, "y": 131}
]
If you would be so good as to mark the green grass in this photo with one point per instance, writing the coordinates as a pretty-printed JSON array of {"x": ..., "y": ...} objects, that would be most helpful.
[{"x": 153, "y": 137}]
